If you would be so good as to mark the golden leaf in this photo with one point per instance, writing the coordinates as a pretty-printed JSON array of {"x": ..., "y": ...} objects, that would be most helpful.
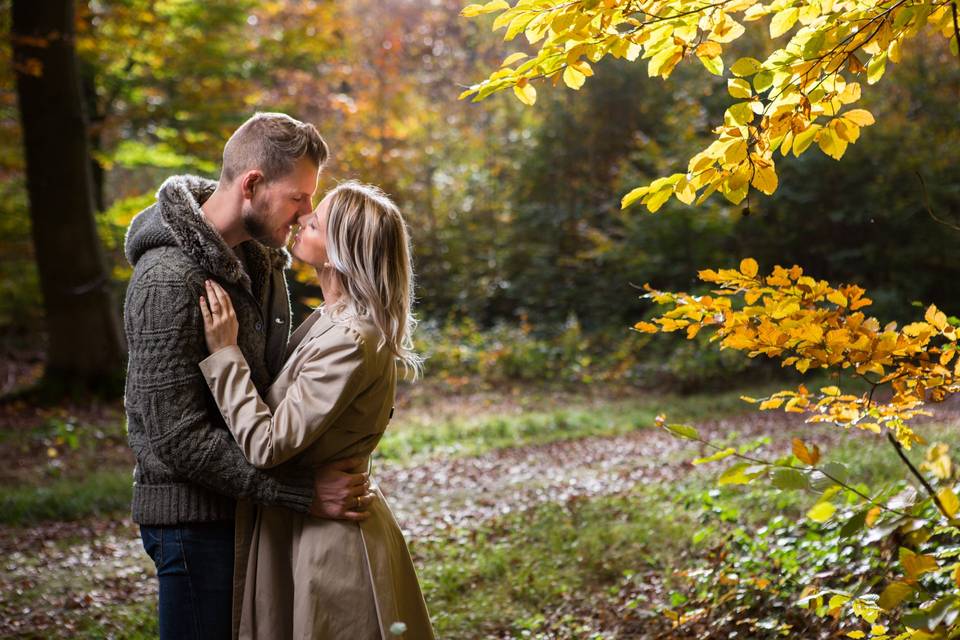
[
  {"x": 526, "y": 93},
  {"x": 749, "y": 267},
  {"x": 805, "y": 455}
]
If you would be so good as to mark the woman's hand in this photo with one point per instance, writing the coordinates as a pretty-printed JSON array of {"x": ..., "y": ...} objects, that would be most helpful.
[{"x": 220, "y": 326}]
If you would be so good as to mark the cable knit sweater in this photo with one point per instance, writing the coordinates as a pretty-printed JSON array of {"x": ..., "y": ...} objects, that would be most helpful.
[{"x": 189, "y": 468}]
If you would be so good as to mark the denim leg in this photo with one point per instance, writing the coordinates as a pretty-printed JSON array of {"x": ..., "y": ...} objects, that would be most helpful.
[{"x": 195, "y": 570}]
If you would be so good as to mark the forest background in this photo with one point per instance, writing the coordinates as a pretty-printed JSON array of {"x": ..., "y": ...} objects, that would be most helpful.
[{"x": 514, "y": 211}]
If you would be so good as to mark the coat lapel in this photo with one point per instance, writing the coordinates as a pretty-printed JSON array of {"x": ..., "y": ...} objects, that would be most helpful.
[{"x": 315, "y": 325}]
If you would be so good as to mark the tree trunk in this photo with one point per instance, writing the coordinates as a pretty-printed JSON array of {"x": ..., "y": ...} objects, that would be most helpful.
[{"x": 85, "y": 342}]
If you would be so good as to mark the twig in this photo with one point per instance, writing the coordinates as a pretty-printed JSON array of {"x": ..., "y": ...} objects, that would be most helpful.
[
  {"x": 917, "y": 474},
  {"x": 923, "y": 185},
  {"x": 737, "y": 454}
]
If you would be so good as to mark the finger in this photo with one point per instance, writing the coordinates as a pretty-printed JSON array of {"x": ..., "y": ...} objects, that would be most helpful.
[
  {"x": 356, "y": 480},
  {"x": 205, "y": 312},
  {"x": 212, "y": 299},
  {"x": 223, "y": 298},
  {"x": 355, "y": 516}
]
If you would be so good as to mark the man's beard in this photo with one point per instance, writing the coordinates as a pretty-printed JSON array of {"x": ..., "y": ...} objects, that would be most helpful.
[{"x": 255, "y": 223}]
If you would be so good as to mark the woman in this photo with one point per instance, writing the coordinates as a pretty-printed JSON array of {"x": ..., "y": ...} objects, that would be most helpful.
[{"x": 311, "y": 578}]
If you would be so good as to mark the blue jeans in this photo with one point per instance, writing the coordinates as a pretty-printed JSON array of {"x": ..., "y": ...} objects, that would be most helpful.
[{"x": 195, "y": 569}]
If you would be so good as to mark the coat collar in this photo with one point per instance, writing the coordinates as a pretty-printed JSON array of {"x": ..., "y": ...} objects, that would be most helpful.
[
  {"x": 177, "y": 220},
  {"x": 315, "y": 325}
]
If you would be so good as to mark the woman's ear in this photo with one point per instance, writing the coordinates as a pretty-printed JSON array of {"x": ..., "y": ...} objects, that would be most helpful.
[{"x": 249, "y": 183}]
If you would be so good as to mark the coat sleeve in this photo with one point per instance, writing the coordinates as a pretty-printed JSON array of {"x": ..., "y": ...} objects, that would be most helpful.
[
  {"x": 165, "y": 338},
  {"x": 326, "y": 384}
]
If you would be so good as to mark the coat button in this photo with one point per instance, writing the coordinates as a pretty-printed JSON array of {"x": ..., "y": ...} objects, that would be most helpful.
[{"x": 259, "y": 327}]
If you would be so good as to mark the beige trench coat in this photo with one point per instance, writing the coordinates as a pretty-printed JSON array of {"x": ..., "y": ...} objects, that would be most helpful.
[{"x": 307, "y": 578}]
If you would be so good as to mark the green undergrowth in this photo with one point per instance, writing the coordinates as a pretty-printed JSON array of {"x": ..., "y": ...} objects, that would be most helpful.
[
  {"x": 549, "y": 419},
  {"x": 101, "y": 493},
  {"x": 515, "y": 574}
]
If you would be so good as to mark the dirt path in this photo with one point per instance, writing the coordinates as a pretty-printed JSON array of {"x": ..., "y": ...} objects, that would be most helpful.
[{"x": 92, "y": 565}]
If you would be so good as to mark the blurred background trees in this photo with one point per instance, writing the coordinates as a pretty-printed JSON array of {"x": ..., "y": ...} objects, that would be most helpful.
[{"x": 514, "y": 211}]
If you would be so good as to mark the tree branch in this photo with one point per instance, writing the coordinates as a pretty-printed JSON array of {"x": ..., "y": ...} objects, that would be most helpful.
[{"x": 916, "y": 473}]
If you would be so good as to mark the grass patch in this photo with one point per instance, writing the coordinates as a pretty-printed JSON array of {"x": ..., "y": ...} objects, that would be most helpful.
[
  {"x": 548, "y": 419},
  {"x": 100, "y": 493},
  {"x": 528, "y": 573}
]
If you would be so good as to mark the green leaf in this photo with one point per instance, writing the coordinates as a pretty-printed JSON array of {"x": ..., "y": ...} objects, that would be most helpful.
[
  {"x": 740, "y": 113},
  {"x": 876, "y": 67},
  {"x": 837, "y": 470},
  {"x": 788, "y": 479},
  {"x": 854, "y": 524},
  {"x": 684, "y": 431},
  {"x": 762, "y": 81},
  {"x": 745, "y": 67},
  {"x": 740, "y": 473}
]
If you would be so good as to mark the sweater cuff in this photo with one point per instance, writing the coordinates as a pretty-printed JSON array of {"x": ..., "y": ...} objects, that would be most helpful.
[{"x": 295, "y": 492}]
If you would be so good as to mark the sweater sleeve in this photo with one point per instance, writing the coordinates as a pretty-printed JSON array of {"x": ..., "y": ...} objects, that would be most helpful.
[
  {"x": 165, "y": 339},
  {"x": 326, "y": 384}
]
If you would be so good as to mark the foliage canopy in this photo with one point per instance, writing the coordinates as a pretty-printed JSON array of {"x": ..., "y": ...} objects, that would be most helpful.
[{"x": 802, "y": 92}]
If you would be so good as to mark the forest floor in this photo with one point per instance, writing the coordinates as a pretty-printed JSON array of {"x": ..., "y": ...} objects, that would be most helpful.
[{"x": 530, "y": 513}]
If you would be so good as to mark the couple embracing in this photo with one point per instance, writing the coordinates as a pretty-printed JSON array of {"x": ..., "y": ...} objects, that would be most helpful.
[{"x": 252, "y": 486}]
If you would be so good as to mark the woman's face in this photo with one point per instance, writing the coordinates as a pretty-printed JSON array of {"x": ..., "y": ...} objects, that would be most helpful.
[{"x": 310, "y": 242}]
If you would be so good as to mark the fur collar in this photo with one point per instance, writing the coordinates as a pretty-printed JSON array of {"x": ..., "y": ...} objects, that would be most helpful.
[{"x": 176, "y": 220}]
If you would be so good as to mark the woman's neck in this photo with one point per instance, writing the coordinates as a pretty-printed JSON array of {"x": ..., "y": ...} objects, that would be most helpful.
[{"x": 329, "y": 286}]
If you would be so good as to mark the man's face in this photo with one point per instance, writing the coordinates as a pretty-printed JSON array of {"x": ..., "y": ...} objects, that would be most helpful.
[
  {"x": 276, "y": 205},
  {"x": 310, "y": 243}
]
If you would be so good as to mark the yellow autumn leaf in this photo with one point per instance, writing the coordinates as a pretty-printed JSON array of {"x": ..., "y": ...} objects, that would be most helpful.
[
  {"x": 526, "y": 93},
  {"x": 749, "y": 267},
  {"x": 893, "y": 594},
  {"x": 512, "y": 58},
  {"x": 783, "y": 21},
  {"x": 739, "y": 88},
  {"x": 709, "y": 49},
  {"x": 573, "y": 78},
  {"x": 949, "y": 500},
  {"x": 765, "y": 179},
  {"x": 860, "y": 117},
  {"x": 916, "y": 564},
  {"x": 821, "y": 512},
  {"x": 831, "y": 144},
  {"x": 805, "y": 454},
  {"x": 745, "y": 67}
]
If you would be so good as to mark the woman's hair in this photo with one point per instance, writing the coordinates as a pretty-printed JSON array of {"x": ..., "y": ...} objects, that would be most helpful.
[{"x": 369, "y": 248}]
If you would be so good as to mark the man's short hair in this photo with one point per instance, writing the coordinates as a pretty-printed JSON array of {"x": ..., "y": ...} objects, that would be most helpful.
[{"x": 272, "y": 143}]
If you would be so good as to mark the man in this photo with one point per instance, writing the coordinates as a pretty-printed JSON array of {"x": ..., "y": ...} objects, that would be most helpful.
[{"x": 190, "y": 472}]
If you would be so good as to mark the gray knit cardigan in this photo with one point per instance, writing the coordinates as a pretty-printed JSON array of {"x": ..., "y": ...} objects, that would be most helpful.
[{"x": 189, "y": 468}]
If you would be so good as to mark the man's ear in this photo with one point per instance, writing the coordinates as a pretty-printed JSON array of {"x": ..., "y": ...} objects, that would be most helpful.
[{"x": 249, "y": 183}]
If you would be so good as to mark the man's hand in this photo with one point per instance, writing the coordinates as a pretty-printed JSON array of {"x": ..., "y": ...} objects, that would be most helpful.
[{"x": 342, "y": 492}]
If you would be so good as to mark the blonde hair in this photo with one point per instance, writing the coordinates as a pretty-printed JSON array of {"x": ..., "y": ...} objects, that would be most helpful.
[
  {"x": 272, "y": 143},
  {"x": 369, "y": 249}
]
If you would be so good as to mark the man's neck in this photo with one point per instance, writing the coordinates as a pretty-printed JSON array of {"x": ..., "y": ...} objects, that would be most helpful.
[{"x": 222, "y": 211}]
